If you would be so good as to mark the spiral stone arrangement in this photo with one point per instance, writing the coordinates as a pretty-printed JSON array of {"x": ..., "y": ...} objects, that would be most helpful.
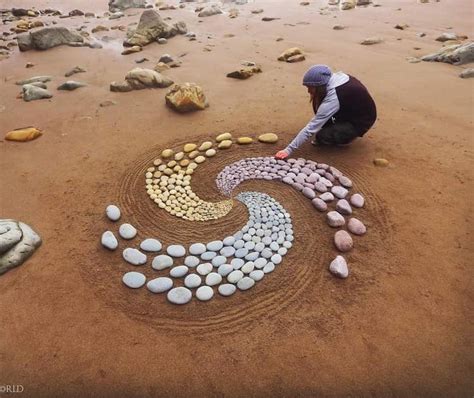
[{"x": 238, "y": 261}]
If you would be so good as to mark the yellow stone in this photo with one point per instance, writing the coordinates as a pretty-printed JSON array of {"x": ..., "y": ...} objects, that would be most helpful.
[
  {"x": 225, "y": 144},
  {"x": 150, "y": 169},
  {"x": 168, "y": 171},
  {"x": 193, "y": 154},
  {"x": 24, "y": 134},
  {"x": 381, "y": 162},
  {"x": 200, "y": 159},
  {"x": 224, "y": 136},
  {"x": 268, "y": 138},
  {"x": 148, "y": 175},
  {"x": 205, "y": 146},
  {"x": 189, "y": 147},
  {"x": 157, "y": 162},
  {"x": 179, "y": 156},
  {"x": 210, "y": 153},
  {"x": 172, "y": 163},
  {"x": 192, "y": 165},
  {"x": 167, "y": 153},
  {"x": 184, "y": 162},
  {"x": 244, "y": 140}
]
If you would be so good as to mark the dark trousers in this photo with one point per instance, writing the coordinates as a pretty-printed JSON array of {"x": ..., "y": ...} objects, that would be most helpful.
[{"x": 336, "y": 133}]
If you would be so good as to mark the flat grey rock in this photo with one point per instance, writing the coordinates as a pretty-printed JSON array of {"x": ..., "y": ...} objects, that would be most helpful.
[
  {"x": 71, "y": 85},
  {"x": 32, "y": 92},
  {"x": 197, "y": 249},
  {"x": 176, "y": 250},
  {"x": 338, "y": 267},
  {"x": 225, "y": 269},
  {"x": 151, "y": 245},
  {"x": 127, "y": 231},
  {"x": 257, "y": 275},
  {"x": 343, "y": 241},
  {"x": 112, "y": 212},
  {"x": 134, "y": 280},
  {"x": 213, "y": 279},
  {"x": 204, "y": 268},
  {"x": 134, "y": 256},
  {"x": 109, "y": 241},
  {"x": 204, "y": 293},
  {"x": 179, "y": 271},
  {"x": 335, "y": 219},
  {"x": 192, "y": 281},
  {"x": 245, "y": 283},
  {"x": 160, "y": 285},
  {"x": 215, "y": 245},
  {"x": 179, "y": 295},
  {"x": 162, "y": 262},
  {"x": 226, "y": 289}
]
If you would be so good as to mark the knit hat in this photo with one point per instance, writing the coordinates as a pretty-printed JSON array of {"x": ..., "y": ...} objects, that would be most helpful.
[{"x": 317, "y": 75}]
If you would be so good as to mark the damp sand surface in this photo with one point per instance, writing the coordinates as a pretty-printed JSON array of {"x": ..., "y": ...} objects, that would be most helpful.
[{"x": 399, "y": 325}]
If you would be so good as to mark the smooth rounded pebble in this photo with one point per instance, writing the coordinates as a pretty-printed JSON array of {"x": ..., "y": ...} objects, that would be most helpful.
[
  {"x": 215, "y": 245},
  {"x": 127, "y": 231},
  {"x": 357, "y": 200},
  {"x": 191, "y": 261},
  {"x": 226, "y": 289},
  {"x": 319, "y": 204},
  {"x": 356, "y": 226},
  {"x": 223, "y": 136},
  {"x": 225, "y": 269},
  {"x": 160, "y": 285},
  {"x": 112, "y": 212},
  {"x": 179, "y": 295},
  {"x": 213, "y": 279},
  {"x": 191, "y": 281},
  {"x": 109, "y": 240},
  {"x": 244, "y": 140},
  {"x": 257, "y": 275},
  {"x": 204, "y": 268},
  {"x": 245, "y": 283},
  {"x": 309, "y": 193},
  {"x": 134, "y": 256},
  {"x": 134, "y": 280},
  {"x": 161, "y": 262},
  {"x": 167, "y": 153},
  {"x": 270, "y": 267},
  {"x": 208, "y": 256},
  {"x": 210, "y": 153},
  {"x": 248, "y": 267},
  {"x": 176, "y": 250},
  {"x": 218, "y": 261},
  {"x": 343, "y": 241},
  {"x": 237, "y": 263},
  {"x": 345, "y": 182},
  {"x": 227, "y": 251},
  {"x": 189, "y": 147},
  {"x": 225, "y": 144},
  {"x": 179, "y": 271},
  {"x": 204, "y": 293},
  {"x": 327, "y": 196},
  {"x": 268, "y": 138},
  {"x": 229, "y": 241},
  {"x": 151, "y": 245},
  {"x": 338, "y": 267},
  {"x": 343, "y": 207},
  {"x": 339, "y": 192},
  {"x": 335, "y": 219},
  {"x": 235, "y": 276},
  {"x": 197, "y": 248},
  {"x": 260, "y": 262}
]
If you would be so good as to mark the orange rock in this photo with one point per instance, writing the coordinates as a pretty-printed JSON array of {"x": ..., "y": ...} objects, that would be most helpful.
[{"x": 23, "y": 134}]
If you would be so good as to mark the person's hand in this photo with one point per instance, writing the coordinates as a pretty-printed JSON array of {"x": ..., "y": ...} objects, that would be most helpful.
[{"x": 281, "y": 155}]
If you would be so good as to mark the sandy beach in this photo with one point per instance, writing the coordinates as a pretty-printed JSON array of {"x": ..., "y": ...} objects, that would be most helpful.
[{"x": 399, "y": 326}]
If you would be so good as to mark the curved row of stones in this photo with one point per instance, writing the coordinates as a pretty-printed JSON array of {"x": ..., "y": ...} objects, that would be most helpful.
[
  {"x": 236, "y": 262},
  {"x": 168, "y": 180},
  {"x": 319, "y": 182}
]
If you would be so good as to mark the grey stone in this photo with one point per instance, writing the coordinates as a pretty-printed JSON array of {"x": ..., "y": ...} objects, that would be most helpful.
[
  {"x": 356, "y": 227},
  {"x": 71, "y": 85},
  {"x": 35, "y": 79},
  {"x": 260, "y": 262},
  {"x": 112, "y": 212},
  {"x": 179, "y": 271},
  {"x": 335, "y": 219},
  {"x": 10, "y": 235},
  {"x": 252, "y": 256},
  {"x": 191, "y": 261},
  {"x": 226, "y": 289},
  {"x": 241, "y": 252},
  {"x": 229, "y": 241},
  {"x": 121, "y": 5},
  {"x": 239, "y": 244},
  {"x": 76, "y": 69},
  {"x": 245, "y": 283},
  {"x": 213, "y": 278},
  {"x": 197, "y": 249},
  {"x": 225, "y": 269},
  {"x": 140, "y": 78},
  {"x": 192, "y": 281},
  {"x": 134, "y": 256},
  {"x": 204, "y": 268},
  {"x": 276, "y": 259},
  {"x": 31, "y": 93},
  {"x": 338, "y": 267},
  {"x": 327, "y": 197},
  {"x": 204, "y": 293},
  {"x": 456, "y": 54},
  {"x": 151, "y": 245},
  {"x": 343, "y": 207},
  {"x": 161, "y": 262},
  {"x": 357, "y": 200},
  {"x": 160, "y": 285},
  {"x": 309, "y": 193},
  {"x": 266, "y": 253},
  {"x": 343, "y": 241},
  {"x": 127, "y": 231},
  {"x": 176, "y": 250},
  {"x": 108, "y": 240},
  {"x": 47, "y": 37},
  {"x": 215, "y": 245},
  {"x": 150, "y": 27},
  {"x": 134, "y": 280},
  {"x": 467, "y": 73},
  {"x": 248, "y": 267},
  {"x": 208, "y": 11},
  {"x": 179, "y": 295}
]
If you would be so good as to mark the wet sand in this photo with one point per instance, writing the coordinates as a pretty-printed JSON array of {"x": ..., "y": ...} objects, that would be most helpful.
[{"x": 400, "y": 325}]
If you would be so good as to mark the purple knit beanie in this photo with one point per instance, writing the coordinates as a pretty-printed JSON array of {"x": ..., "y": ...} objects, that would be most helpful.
[{"x": 317, "y": 75}]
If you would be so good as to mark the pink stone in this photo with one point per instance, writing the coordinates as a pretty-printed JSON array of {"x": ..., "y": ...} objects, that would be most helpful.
[
  {"x": 339, "y": 192},
  {"x": 335, "y": 219},
  {"x": 343, "y": 241},
  {"x": 309, "y": 193},
  {"x": 357, "y": 200},
  {"x": 327, "y": 197},
  {"x": 338, "y": 267},
  {"x": 319, "y": 204},
  {"x": 326, "y": 182},
  {"x": 313, "y": 177},
  {"x": 356, "y": 227},
  {"x": 297, "y": 186},
  {"x": 320, "y": 187},
  {"x": 335, "y": 172},
  {"x": 345, "y": 182},
  {"x": 330, "y": 177},
  {"x": 343, "y": 207}
]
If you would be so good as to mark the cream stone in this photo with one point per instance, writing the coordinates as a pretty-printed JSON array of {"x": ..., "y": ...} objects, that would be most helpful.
[
  {"x": 224, "y": 136},
  {"x": 167, "y": 153},
  {"x": 268, "y": 138},
  {"x": 225, "y": 144},
  {"x": 189, "y": 147},
  {"x": 205, "y": 146},
  {"x": 179, "y": 156},
  {"x": 244, "y": 140},
  {"x": 193, "y": 154},
  {"x": 200, "y": 159},
  {"x": 210, "y": 153}
]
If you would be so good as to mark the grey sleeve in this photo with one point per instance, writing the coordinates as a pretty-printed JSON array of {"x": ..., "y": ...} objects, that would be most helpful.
[{"x": 328, "y": 108}]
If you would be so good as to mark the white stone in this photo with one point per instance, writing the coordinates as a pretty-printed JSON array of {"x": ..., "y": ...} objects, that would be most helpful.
[
  {"x": 161, "y": 262},
  {"x": 356, "y": 226},
  {"x": 235, "y": 276},
  {"x": 257, "y": 275},
  {"x": 252, "y": 256},
  {"x": 127, "y": 231},
  {"x": 327, "y": 197},
  {"x": 319, "y": 204},
  {"x": 134, "y": 256},
  {"x": 276, "y": 259},
  {"x": 176, "y": 250},
  {"x": 179, "y": 271},
  {"x": 207, "y": 256},
  {"x": 191, "y": 281},
  {"x": 269, "y": 267},
  {"x": 160, "y": 285},
  {"x": 109, "y": 240},
  {"x": 343, "y": 241},
  {"x": 339, "y": 192},
  {"x": 151, "y": 245},
  {"x": 237, "y": 263},
  {"x": 227, "y": 251},
  {"x": 191, "y": 261},
  {"x": 134, "y": 280},
  {"x": 245, "y": 283},
  {"x": 260, "y": 262},
  {"x": 213, "y": 279},
  {"x": 225, "y": 269},
  {"x": 204, "y": 268},
  {"x": 197, "y": 249},
  {"x": 218, "y": 260},
  {"x": 204, "y": 293},
  {"x": 241, "y": 252},
  {"x": 357, "y": 200},
  {"x": 335, "y": 219},
  {"x": 112, "y": 212},
  {"x": 339, "y": 268},
  {"x": 215, "y": 245},
  {"x": 229, "y": 241},
  {"x": 345, "y": 182},
  {"x": 248, "y": 267},
  {"x": 179, "y": 295},
  {"x": 226, "y": 289}
]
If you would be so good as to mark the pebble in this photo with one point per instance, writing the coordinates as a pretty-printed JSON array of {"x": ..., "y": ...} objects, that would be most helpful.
[
  {"x": 268, "y": 138},
  {"x": 345, "y": 182},
  {"x": 167, "y": 153},
  {"x": 204, "y": 293},
  {"x": 225, "y": 269},
  {"x": 335, "y": 219},
  {"x": 191, "y": 261},
  {"x": 223, "y": 136},
  {"x": 319, "y": 204},
  {"x": 109, "y": 240},
  {"x": 208, "y": 256},
  {"x": 160, "y": 285},
  {"x": 327, "y": 197},
  {"x": 270, "y": 267},
  {"x": 235, "y": 276},
  {"x": 189, "y": 147},
  {"x": 227, "y": 251},
  {"x": 245, "y": 283},
  {"x": 215, "y": 245},
  {"x": 151, "y": 245},
  {"x": 205, "y": 146},
  {"x": 244, "y": 140},
  {"x": 225, "y": 144},
  {"x": 320, "y": 187},
  {"x": 204, "y": 268},
  {"x": 237, "y": 263},
  {"x": 127, "y": 231},
  {"x": 276, "y": 259},
  {"x": 248, "y": 267},
  {"x": 260, "y": 262},
  {"x": 257, "y": 275},
  {"x": 339, "y": 192},
  {"x": 176, "y": 250},
  {"x": 241, "y": 252},
  {"x": 197, "y": 248},
  {"x": 210, "y": 153},
  {"x": 200, "y": 159},
  {"x": 218, "y": 261},
  {"x": 338, "y": 267},
  {"x": 309, "y": 193},
  {"x": 134, "y": 280},
  {"x": 161, "y": 262},
  {"x": 357, "y": 200},
  {"x": 191, "y": 281},
  {"x": 213, "y": 278},
  {"x": 343, "y": 241},
  {"x": 356, "y": 227},
  {"x": 112, "y": 212},
  {"x": 179, "y": 271},
  {"x": 229, "y": 241},
  {"x": 179, "y": 295},
  {"x": 134, "y": 256},
  {"x": 226, "y": 289},
  {"x": 343, "y": 207}
]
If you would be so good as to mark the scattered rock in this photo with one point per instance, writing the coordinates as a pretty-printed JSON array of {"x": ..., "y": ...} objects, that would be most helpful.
[
  {"x": 134, "y": 256},
  {"x": 109, "y": 240},
  {"x": 213, "y": 279},
  {"x": 162, "y": 262},
  {"x": 257, "y": 11},
  {"x": 290, "y": 53},
  {"x": 371, "y": 40},
  {"x": 29, "y": 65},
  {"x": 319, "y": 204},
  {"x": 245, "y": 73},
  {"x": 457, "y": 54},
  {"x": 343, "y": 241},
  {"x": 150, "y": 28},
  {"x": 131, "y": 50},
  {"x": 348, "y": 4},
  {"x": 467, "y": 73},
  {"x": 245, "y": 283},
  {"x": 71, "y": 85},
  {"x": 32, "y": 92},
  {"x": 450, "y": 36},
  {"x": 186, "y": 97},
  {"x": 343, "y": 207},
  {"x": 225, "y": 144},
  {"x": 127, "y": 231},
  {"x": 269, "y": 19},
  {"x": 338, "y": 267},
  {"x": 76, "y": 69},
  {"x": 338, "y": 27},
  {"x": 106, "y": 103},
  {"x": 36, "y": 79},
  {"x": 401, "y": 26},
  {"x": 23, "y": 134},
  {"x": 381, "y": 162},
  {"x": 210, "y": 10},
  {"x": 226, "y": 289},
  {"x": 335, "y": 219},
  {"x": 356, "y": 227},
  {"x": 141, "y": 60},
  {"x": 179, "y": 295},
  {"x": 357, "y": 200},
  {"x": 134, "y": 280},
  {"x": 179, "y": 271},
  {"x": 112, "y": 212},
  {"x": 121, "y": 5},
  {"x": 48, "y": 37},
  {"x": 160, "y": 285},
  {"x": 268, "y": 138},
  {"x": 99, "y": 28},
  {"x": 223, "y": 137},
  {"x": 339, "y": 192}
]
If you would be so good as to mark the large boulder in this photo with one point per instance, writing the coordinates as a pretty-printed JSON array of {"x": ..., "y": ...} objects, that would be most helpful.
[
  {"x": 45, "y": 38},
  {"x": 150, "y": 28},
  {"x": 186, "y": 97},
  {"x": 120, "y": 5},
  {"x": 457, "y": 54}
]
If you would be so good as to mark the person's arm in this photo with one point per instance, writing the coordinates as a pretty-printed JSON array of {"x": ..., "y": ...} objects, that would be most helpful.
[{"x": 328, "y": 108}]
